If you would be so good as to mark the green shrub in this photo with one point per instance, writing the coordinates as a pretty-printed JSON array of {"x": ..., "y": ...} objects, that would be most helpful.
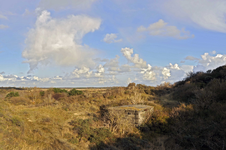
[
  {"x": 12, "y": 94},
  {"x": 75, "y": 92},
  {"x": 42, "y": 93},
  {"x": 58, "y": 90}
]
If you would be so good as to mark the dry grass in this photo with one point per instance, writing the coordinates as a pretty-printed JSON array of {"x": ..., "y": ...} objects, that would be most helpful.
[
  {"x": 58, "y": 121},
  {"x": 35, "y": 121}
]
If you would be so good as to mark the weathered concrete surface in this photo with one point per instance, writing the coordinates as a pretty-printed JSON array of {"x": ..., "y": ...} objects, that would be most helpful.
[{"x": 135, "y": 114}]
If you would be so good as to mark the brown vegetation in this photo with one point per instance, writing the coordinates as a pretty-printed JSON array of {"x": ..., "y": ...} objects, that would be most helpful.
[{"x": 189, "y": 114}]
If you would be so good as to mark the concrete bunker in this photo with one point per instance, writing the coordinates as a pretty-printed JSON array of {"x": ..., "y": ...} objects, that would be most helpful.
[{"x": 134, "y": 114}]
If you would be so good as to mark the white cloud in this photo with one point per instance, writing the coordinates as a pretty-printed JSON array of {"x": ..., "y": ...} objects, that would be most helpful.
[
  {"x": 162, "y": 28},
  {"x": 138, "y": 62},
  {"x": 208, "y": 14},
  {"x": 3, "y": 26},
  {"x": 100, "y": 71},
  {"x": 175, "y": 66},
  {"x": 187, "y": 68},
  {"x": 148, "y": 73},
  {"x": 111, "y": 38},
  {"x": 211, "y": 62},
  {"x": 84, "y": 71},
  {"x": 3, "y": 17},
  {"x": 166, "y": 73},
  {"x": 2, "y": 78},
  {"x": 58, "y": 41},
  {"x": 62, "y": 4}
]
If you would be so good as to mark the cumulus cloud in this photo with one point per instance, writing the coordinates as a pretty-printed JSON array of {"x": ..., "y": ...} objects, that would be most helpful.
[
  {"x": 138, "y": 62},
  {"x": 3, "y": 17},
  {"x": 111, "y": 38},
  {"x": 166, "y": 73},
  {"x": 3, "y": 26},
  {"x": 58, "y": 41},
  {"x": 84, "y": 71},
  {"x": 211, "y": 62},
  {"x": 62, "y": 4},
  {"x": 162, "y": 28},
  {"x": 175, "y": 66},
  {"x": 208, "y": 14},
  {"x": 207, "y": 62},
  {"x": 100, "y": 71},
  {"x": 148, "y": 73}
]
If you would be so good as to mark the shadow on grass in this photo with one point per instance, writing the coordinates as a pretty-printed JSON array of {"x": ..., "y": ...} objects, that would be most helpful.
[{"x": 128, "y": 143}]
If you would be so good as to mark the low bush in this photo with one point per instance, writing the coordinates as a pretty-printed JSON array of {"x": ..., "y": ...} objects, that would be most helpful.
[
  {"x": 185, "y": 93},
  {"x": 17, "y": 121},
  {"x": 42, "y": 93},
  {"x": 158, "y": 122},
  {"x": 73, "y": 92},
  {"x": 85, "y": 131},
  {"x": 58, "y": 90},
  {"x": 19, "y": 101},
  {"x": 12, "y": 94}
]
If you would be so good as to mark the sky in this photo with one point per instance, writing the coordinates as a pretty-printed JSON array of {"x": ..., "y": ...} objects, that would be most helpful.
[{"x": 101, "y": 43}]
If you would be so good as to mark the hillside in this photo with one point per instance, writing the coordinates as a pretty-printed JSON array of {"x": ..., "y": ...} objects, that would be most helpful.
[{"x": 189, "y": 114}]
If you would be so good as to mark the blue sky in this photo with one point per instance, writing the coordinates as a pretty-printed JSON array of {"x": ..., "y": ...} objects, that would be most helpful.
[{"x": 75, "y": 43}]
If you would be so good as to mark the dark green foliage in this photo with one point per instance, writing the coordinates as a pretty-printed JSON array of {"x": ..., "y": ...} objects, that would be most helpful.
[
  {"x": 185, "y": 93},
  {"x": 42, "y": 93},
  {"x": 58, "y": 90},
  {"x": 75, "y": 92},
  {"x": 12, "y": 94}
]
